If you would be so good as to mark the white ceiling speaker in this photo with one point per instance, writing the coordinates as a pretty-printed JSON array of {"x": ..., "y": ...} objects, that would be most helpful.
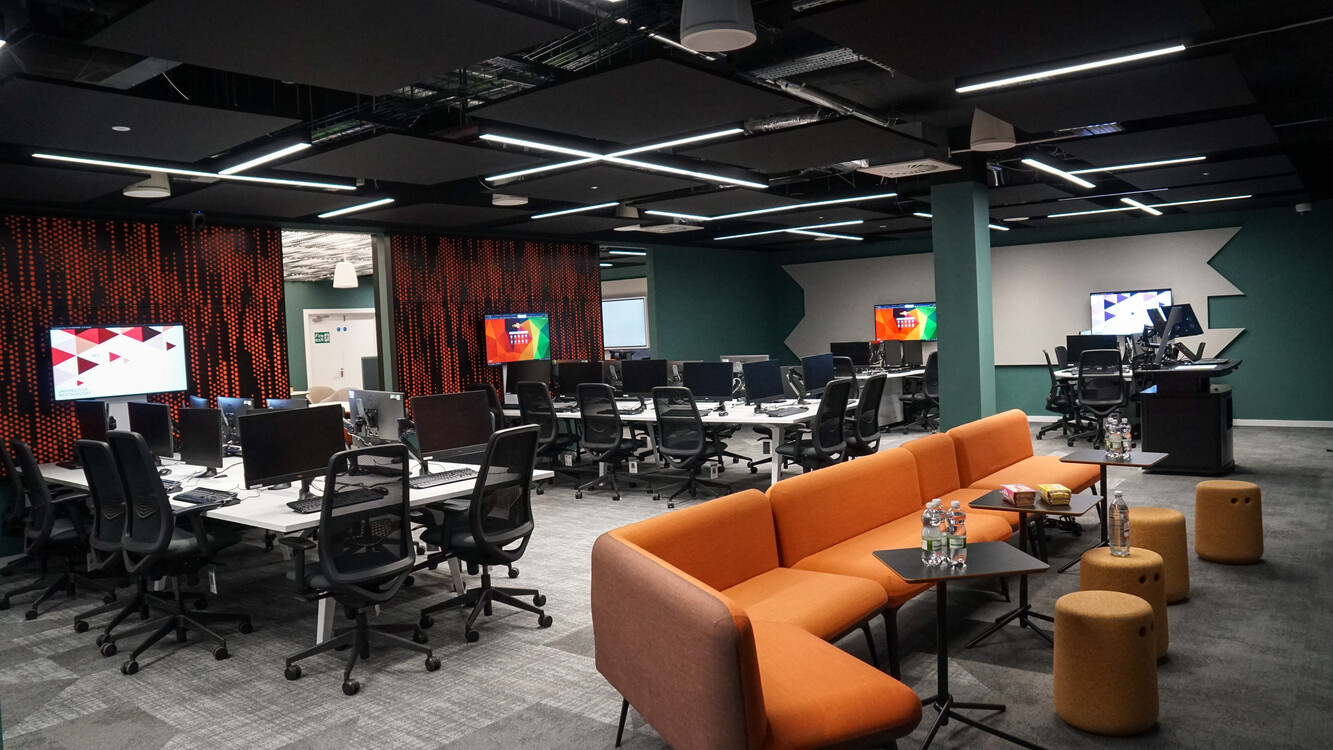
[
  {"x": 990, "y": 133},
  {"x": 158, "y": 185},
  {"x": 504, "y": 199},
  {"x": 716, "y": 25},
  {"x": 344, "y": 275},
  {"x": 910, "y": 168}
]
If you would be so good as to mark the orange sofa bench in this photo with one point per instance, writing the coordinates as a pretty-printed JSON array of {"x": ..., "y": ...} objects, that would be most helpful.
[{"x": 997, "y": 450}]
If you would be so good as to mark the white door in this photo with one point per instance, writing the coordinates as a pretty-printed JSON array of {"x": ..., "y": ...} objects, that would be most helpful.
[{"x": 335, "y": 342}]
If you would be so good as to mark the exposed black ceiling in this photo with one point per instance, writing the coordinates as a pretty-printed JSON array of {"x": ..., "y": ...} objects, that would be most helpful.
[{"x": 396, "y": 98}]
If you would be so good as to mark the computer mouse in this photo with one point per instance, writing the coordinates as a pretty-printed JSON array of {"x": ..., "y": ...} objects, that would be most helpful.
[
  {"x": 164, "y": 472},
  {"x": 381, "y": 490}
]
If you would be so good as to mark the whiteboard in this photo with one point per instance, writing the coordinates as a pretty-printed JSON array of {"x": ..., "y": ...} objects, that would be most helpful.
[{"x": 625, "y": 323}]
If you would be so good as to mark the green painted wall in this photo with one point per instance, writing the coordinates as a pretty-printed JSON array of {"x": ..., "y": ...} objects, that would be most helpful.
[{"x": 316, "y": 295}]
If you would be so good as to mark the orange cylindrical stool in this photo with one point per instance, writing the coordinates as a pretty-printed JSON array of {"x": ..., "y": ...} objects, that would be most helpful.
[
  {"x": 1142, "y": 574},
  {"x": 1105, "y": 677},
  {"x": 1162, "y": 530},
  {"x": 1228, "y": 522}
]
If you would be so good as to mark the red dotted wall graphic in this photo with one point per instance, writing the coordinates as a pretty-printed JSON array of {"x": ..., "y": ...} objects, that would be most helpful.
[{"x": 224, "y": 284}]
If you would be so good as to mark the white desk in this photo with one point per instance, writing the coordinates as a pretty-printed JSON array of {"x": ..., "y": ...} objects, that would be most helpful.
[
  {"x": 267, "y": 509},
  {"x": 890, "y": 408}
]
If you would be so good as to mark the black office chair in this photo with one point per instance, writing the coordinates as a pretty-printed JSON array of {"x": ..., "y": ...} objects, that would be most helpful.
[
  {"x": 493, "y": 401},
  {"x": 535, "y": 408},
  {"x": 1061, "y": 357},
  {"x": 862, "y": 428},
  {"x": 1102, "y": 389},
  {"x": 604, "y": 436},
  {"x": 825, "y": 442},
  {"x": 926, "y": 398},
  {"x": 499, "y": 526},
  {"x": 105, "y": 559},
  {"x": 160, "y": 542},
  {"x": 844, "y": 368},
  {"x": 366, "y": 554},
  {"x": 1059, "y": 400},
  {"x": 682, "y": 442}
]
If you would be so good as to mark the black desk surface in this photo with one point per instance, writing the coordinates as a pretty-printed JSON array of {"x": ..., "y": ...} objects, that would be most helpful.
[
  {"x": 984, "y": 560},
  {"x": 1138, "y": 459},
  {"x": 1079, "y": 503}
]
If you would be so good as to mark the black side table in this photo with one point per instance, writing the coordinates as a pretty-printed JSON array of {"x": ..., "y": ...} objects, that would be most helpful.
[
  {"x": 984, "y": 560},
  {"x": 1136, "y": 459}
]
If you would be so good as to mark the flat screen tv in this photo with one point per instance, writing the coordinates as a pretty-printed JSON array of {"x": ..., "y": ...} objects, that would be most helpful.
[
  {"x": 907, "y": 321},
  {"x": 517, "y": 337},
  {"x": 1125, "y": 313},
  {"x": 105, "y": 361}
]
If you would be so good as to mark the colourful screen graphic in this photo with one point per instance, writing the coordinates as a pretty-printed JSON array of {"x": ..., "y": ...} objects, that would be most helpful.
[
  {"x": 906, "y": 322},
  {"x": 117, "y": 361},
  {"x": 1125, "y": 313},
  {"x": 515, "y": 338}
]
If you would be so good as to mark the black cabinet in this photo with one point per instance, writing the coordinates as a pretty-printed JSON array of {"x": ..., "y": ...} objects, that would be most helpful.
[{"x": 1194, "y": 427}]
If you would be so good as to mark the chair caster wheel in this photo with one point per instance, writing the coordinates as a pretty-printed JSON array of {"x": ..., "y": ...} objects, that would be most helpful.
[
  {"x": 419, "y": 636},
  {"x": 513, "y": 572},
  {"x": 408, "y": 581},
  {"x": 538, "y": 600},
  {"x": 220, "y": 653},
  {"x": 471, "y": 636},
  {"x": 754, "y": 469},
  {"x": 656, "y": 497},
  {"x": 129, "y": 667},
  {"x": 102, "y": 638},
  {"x": 616, "y": 497},
  {"x": 292, "y": 672},
  {"x": 425, "y": 622},
  {"x": 30, "y": 614},
  {"x": 472, "y": 569},
  {"x": 1069, "y": 443},
  {"x": 245, "y": 628},
  {"x": 671, "y": 504},
  {"x": 578, "y": 494},
  {"x": 80, "y": 626},
  {"x": 539, "y": 490},
  {"x": 108, "y": 649},
  {"x": 351, "y": 687},
  {"x": 544, "y": 621},
  {"x": 432, "y": 663}
]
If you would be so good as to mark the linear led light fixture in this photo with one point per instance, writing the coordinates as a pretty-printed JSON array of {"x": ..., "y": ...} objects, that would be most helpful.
[
  {"x": 679, "y": 142},
  {"x": 266, "y": 158},
  {"x": 192, "y": 172},
  {"x": 626, "y": 252},
  {"x": 1143, "y": 206},
  {"x": 829, "y": 235},
  {"x": 358, "y": 207},
  {"x": 1066, "y": 70},
  {"x": 606, "y": 265},
  {"x": 1155, "y": 205},
  {"x": 921, "y": 214},
  {"x": 1058, "y": 173},
  {"x": 792, "y": 229},
  {"x": 574, "y": 210},
  {"x": 676, "y": 44},
  {"x": 997, "y": 227},
  {"x": 1140, "y": 165},
  {"x": 676, "y": 215},
  {"x": 799, "y": 206},
  {"x": 924, "y": 215}
]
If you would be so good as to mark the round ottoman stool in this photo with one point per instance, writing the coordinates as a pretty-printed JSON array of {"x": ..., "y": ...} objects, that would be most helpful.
[
  {"x": 1228, "y": 522},
  {"x": 1105, "y": 678},
  {"x": 1162, "y": 530},
  {"x": 1142, "y": 574}
]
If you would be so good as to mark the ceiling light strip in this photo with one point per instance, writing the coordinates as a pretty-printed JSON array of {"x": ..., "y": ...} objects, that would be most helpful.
[
  {"x": 617, "y": 157},
  {"x": 998, "y": 228},
  {"x": 1144, "y": 206},
  {"x": 791, "y": 229},
  {"x": 921, "y": 214},
  {"x": 627, "y": 252},
  {"x": 686, "y": 172},
  {"x": 191, "y": 172},
  {"x": 1139, "y": 165},
  {"x": 546, "y": 168},
  {"x": 675, "y": 215},
  {"x": 1068, "y": 69},
  {"x": 679, "y": 142},
  {"x": 1155, "y": 205},
  {"x": 539, "y": 146},
  {"x": 1047, "y": 168},
  {"x": 358, "y": 207},
  {"x": 799, "y": 206},
  {"x": 575, "y": 210},
  {"x": 266, "y": 158},
  {"x": 830, "y": 235}
]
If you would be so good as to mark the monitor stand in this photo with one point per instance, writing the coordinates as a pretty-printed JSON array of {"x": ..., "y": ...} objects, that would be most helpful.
[
  {"x": 304, "y": 494},
  {"x": 73, "y": 465},
  {"x": 207, "y": 473}
]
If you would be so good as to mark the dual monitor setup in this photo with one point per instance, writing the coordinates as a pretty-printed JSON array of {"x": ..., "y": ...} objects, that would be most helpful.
[{"x": 1147, "y": 317}]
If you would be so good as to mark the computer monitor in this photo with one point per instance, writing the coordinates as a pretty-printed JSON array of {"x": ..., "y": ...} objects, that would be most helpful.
[
  {"x": 891, "y": 353},
  {"x": 106, "y": 361},
  {"x": 450, "y": 425},
  {"x": 202, "y": 433},
  {"x": 197, "y": 402},
  {"x": 708, "y": 379},
  {"x": 569, "y": 374},
  {"x": 233, "y": 409},
  {"x": 1123, "y": 313},
  {"x": 640, "y": 376},
  {"x": 914, "y": 353},
  {"x": 295, "y": 402},
  {"x": 92, "y": 417},
  {"x": 279, "y": 446},
  {"x": 1186, "y": 323},
  {"x": 375, "y": 414},
  {"x": 517, "y": 337},
  {"x": 816, "y": 372},
  {"x": 153, "y": 422},
  {"x": 906, "y": 321},
  {"x": 1076, "y": 345},
  {"x": 763, "y": 381},
  {"x": 857, "y": 351},
  {"x": 534, "y": 371}
]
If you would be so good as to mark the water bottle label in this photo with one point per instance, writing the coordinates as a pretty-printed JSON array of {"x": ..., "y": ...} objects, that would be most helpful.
[{"x": 957, "y": 542}]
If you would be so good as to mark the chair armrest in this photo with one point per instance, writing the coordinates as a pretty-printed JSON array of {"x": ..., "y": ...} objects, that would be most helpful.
[
  {"x": 298, "y": 545},
  {"x": 195, "y": 514}
]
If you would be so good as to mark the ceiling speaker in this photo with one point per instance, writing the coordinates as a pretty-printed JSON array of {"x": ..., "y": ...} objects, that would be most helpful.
[{"x": 990, "y": 133}]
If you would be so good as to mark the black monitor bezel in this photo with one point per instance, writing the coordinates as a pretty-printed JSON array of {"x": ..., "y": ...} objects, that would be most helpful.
[
  {"x": 148, "y": 412},
  {"x": 639, "y": 364},
  {"x": 861, "y": 347},
  {"x": 288, "y": 425},
  {"x": 685, "y": 378},
  {"x": 212, "y": 452},
  {"x": 574, "y": 364},
  {"x": 483, "y": 406},
  {"x": 805, "y": 382},
  {"x": 767, "y": 363},
  {"x": 84, "y": 418}
]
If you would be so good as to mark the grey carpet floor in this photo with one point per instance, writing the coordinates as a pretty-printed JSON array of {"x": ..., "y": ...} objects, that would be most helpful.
[{"x": 1249, "y": 665}]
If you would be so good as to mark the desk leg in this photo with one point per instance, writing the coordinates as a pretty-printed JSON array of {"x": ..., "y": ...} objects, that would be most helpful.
[
  {"x": 1024, "y": 610},
  {"x": 775, "y": 466},
  {"x": 324, "y": 619},
  {"x": 1105, "y": 509},
  {"x": 456, "y": 574}
]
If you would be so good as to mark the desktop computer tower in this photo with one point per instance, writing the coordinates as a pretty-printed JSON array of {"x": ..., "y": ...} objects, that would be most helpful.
[{"x": 1194, "y": 428}]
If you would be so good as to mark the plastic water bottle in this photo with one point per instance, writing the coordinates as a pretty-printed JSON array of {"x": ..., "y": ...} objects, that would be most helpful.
[
  {"x": 1119, "y": 522},
  {"x": 957, "y": 540},
  {"x": 931, "y": 537},
  {"x": 1108, "y": 438},
  {"x": 1126, "y": 439}
]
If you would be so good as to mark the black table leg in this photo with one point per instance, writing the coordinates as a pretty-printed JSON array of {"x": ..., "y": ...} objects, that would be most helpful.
[
  {"x": 1103, "y": 509},
  {"x": 1024, "y": 610}
]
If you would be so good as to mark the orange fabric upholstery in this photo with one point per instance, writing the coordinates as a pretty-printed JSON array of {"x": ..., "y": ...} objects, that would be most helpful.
[
  {"x": 817, "y": 510},
  {"x": 1035, "y": 470},
  {"x": 825, "y": 605},
  {"x": 936, "y": 466},
  {"x": 989, "y": 444}
]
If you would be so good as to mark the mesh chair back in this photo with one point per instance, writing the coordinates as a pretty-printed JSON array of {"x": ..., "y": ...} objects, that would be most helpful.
[
  {"x": 366, "y": 548},
  {"x": 865, "y": 428},
  {"x": 1061, "y": 357},
  {"x": 494, "y": 402},
  {"x": 602, "y": 430},
  {"x": 930, "y": 383},
  {"x": 829, "y": 437},
  {"x": 18, "y": 507},
  {"x": 108, "y": 496},
  {"x": 681, "y": 438},
  {"x": 535, "y": 407},
  {"x": 1101, "y": 388},
  {"x": 149, "y": 523},
  {"x": 41, "y": 514},
  {"x": 843, "y": 367},
  {"x": 500, "y": 515}
]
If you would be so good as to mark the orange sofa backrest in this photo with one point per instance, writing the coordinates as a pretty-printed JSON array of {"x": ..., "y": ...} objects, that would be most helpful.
[
  {"x": 817, "y": 510},
  {"x": 721, "y": 542},
  {"x": 989, "y": 444},
  {"x": 936, "y": 465}
]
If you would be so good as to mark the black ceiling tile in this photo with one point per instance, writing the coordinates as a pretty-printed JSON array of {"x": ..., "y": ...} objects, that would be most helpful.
[
  {"x": 946, "y": 39},
  {"x": 1054, "y": 207},
  {"x": 438, "y": 215},
  {"x": 72, "y": 118},
  {"x": 1030, "y": 193},
  {"x": 351, "y": 45},
  {"x": 817, "y": 145},
  {"x": 259, "y": 201},
  {"x": 732, "y": 200},
  {"x": 1246, "y": 205},
  {"x": 597, "y": 184},
  {"x": 639, "y": 103},
  {"x": 903, "y": 224},
  {"x": 23, "y": 183},
  {"x": 1135, "y": 94},
  {"x": 1169, "y": 143},
  {"x": 1208, "y": 171},
  {"x": 829, "y": 214},
  {"x": 572, "y": 224},
  {"x": 402, "y": 158}
]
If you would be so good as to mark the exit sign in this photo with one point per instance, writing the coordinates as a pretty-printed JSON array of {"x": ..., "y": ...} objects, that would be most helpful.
[{"x": 322, "y": 337}]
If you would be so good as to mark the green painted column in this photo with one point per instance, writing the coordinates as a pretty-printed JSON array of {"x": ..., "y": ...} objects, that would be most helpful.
[{"x": 961, "y": 242}]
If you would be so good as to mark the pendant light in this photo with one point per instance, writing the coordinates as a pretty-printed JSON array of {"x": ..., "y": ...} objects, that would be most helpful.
[
  {"x": 716, "y": 25},
  {"x": 344, "y": 275}
]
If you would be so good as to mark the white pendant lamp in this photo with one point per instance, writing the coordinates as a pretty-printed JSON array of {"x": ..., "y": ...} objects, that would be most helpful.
[
  {"x": 990, "y": 133},
  {"x": 716, "y": 25},
  {"x": 344, "y": 275}
]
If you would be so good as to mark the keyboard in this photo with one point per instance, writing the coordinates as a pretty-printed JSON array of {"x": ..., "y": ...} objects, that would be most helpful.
[
  {"x": 424, "y": 481},
  {"x": 785, "y": 411},
  {"x": 340, "y": 500},
  {"x": 1207, "y": 361},
  {"x": 203, "y": 496}
]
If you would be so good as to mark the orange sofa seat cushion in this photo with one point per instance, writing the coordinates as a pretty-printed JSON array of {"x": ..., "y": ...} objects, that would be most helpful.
[
  {"x": 967, "y": 495},
  {"x": 936, "y": 465},
  {"x": 817, "y": 510},
  {"x": 816, "y": 695},
  {"x": 1035, "y": 470},
  {"x": 823, "y": 604},
  {"x": 989, "y": 444}
]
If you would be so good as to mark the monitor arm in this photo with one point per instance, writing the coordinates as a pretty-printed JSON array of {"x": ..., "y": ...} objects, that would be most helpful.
[{"x": 797, "y": 384}]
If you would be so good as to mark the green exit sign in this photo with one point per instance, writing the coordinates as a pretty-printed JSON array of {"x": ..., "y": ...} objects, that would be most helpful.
[{"x": 322, "y": 337}]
